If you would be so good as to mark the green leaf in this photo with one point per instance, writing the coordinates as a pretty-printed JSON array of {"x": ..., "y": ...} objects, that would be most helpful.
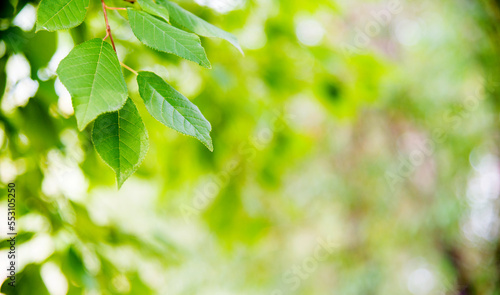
[
  {"x": 159, "y": 35},
  {"x": 121, "y": 139},
  {"x": 172, "y": 109},
  {"x": 151, "y": 7},
  {"x": 183, "y": 18},
  {"x": 92, "y": 74},
  {"x": 53, "y": 15}
]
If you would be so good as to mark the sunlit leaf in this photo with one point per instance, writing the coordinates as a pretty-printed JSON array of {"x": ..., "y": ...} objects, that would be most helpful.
[
  {"x": 150, "y": 6},
  {"x": 92, "y": 74},
  {"x": 55, "y": 15},
  {"x": 121, "y": 139},
  {"x": 159, "y": 35},
  {"x": 172, "y": 109},
  {"x": 183, "y": 18}
]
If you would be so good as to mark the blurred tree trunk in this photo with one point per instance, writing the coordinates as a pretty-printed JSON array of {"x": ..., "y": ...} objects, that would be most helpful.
[{"x": 491, "y": 22}]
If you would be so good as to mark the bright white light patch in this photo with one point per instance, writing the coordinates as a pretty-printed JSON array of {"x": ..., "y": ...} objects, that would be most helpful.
[
  {"x": 36, "y": 250},
  {"x": 24, "y": 90},
  {"x": 483, "y": 188},
  {"x": 54, "y": 279},
  {"x": 408, "y": 32},
  {"x": 8, "y": 171},
  {"x": 253, "y": 37},
  {"x": 20, "y": 88},
  {"x": 64, "y": 45},
  {"x": 222, "y": 6},
  {"x": 421, "y": 281},
  {"x": 64, "y": 177},
  {"x": 64, "y": 101},
  {"x": 26, "y": 18},
  {"x": 309, "y": 32},
  {"x": 17, "y": 68}
]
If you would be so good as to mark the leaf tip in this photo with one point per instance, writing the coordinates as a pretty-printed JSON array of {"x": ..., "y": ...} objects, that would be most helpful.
[
  {"x": 120, "y": 181},
  {"x": 236, "y": 45},
  {"x": 39, "y": 28},
  {"x": 209, "y": 145},
  {"x": 206, "y": 65},
  {"x": 240, "y": 50},
  {"x": 81, "y": 126}
]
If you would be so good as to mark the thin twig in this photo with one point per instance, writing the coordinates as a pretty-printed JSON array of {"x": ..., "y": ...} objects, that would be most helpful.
[
  {"x": 108, "y": 31},
  {"x": 129, "y": 68},
  {"x": 116, "y": 8},
  {"x": 108, "y": 28}
]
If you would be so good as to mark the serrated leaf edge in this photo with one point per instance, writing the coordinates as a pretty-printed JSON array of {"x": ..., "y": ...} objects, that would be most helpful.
[
  {"x": 40, "y": 28},
  {"x": 139, "y": 163},
  {"x": 208, "y": 66}
]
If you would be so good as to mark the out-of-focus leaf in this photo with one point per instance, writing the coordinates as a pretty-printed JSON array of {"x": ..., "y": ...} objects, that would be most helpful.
[
  {"x": 20, "y": 239},
  {"x": 40, "y": 58},
  {"x": 92, "y": 74},
  {"x": 15, "y": 39},
  {"x": 42, "y": 136},
  {"x": 183, "y": 18},
  {"x": 161, "y": 36},
  {"x": 173, "y": 109},
  {"x": 6, "y": 9},
  {"x": 53, "y": 15},
  {"x": 26, "y": 281},
  {"x": 121, "y": 139}
]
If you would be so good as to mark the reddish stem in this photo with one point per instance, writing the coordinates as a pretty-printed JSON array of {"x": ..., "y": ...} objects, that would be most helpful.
[{"x": 108, "y": 28}]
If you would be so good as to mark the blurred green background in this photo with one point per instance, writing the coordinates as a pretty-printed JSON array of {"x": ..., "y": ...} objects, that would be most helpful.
[{"x": 356, "y": 151}]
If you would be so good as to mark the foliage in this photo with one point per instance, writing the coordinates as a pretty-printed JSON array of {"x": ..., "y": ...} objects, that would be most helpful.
[
  {"x": 122, "y": 140},
  {"x": 172, "y": 109},
  {"x": 56, "y": 15},
  {"x": 92, "y": 74},
  {"x": 384, "y": 144}
]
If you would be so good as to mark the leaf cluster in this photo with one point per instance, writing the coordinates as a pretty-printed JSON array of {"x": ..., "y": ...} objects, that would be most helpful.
[{"x": 93, "y": 76}]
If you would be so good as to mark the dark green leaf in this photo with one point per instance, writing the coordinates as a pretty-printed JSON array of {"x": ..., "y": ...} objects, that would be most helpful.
[
  {"x": 121, "y": 139},
  {"x": 172, "y": 109}
]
